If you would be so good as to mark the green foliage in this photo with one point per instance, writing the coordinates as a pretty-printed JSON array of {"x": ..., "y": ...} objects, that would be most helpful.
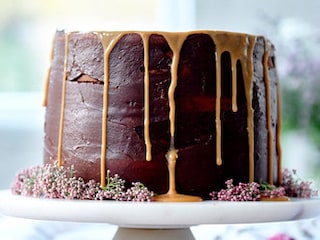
[
  {"x": 301, "y": 113},
  {"x": 314, "y": 129},
  {"x": 291, "y": 108}
]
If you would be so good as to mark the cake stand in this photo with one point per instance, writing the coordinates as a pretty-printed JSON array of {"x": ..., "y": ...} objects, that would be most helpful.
[{"x": 154, "y": 219}]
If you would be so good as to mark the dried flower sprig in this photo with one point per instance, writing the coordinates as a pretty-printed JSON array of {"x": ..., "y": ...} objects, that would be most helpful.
[
  {"x": 247, "y": 192},
  {"x": 270, "y": 191},
  {"x": 241, "y": 192},
  {"x": 51, "y": 181},
  {"x": 295, "y": 187},
  {"x": 291, "y": 186}
]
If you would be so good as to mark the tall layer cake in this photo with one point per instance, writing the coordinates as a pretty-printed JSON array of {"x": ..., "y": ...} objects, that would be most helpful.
[{"x": 124, "y": 101}]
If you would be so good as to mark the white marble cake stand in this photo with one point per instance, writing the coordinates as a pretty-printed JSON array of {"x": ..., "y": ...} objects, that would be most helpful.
[{"x": 157, "y": 220}]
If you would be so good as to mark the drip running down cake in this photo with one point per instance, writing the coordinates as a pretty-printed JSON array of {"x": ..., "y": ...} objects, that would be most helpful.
[{"x": 205, "y": 103}]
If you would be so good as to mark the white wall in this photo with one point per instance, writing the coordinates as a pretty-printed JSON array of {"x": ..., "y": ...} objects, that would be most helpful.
[{"x": 21, "y": 133}]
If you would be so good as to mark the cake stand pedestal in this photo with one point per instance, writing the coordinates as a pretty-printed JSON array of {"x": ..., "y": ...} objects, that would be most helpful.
[
  {"x": 157, "y": 220},
  {"x": 154, "y": 234}
]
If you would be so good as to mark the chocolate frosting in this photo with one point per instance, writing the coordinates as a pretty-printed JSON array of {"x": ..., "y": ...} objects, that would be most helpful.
[{"x": 76, "y": 91}]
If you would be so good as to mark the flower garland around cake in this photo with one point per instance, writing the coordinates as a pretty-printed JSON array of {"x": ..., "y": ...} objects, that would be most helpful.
[
  {"x": 292, "y": 186},
  {"x": 51, "y": 181}
]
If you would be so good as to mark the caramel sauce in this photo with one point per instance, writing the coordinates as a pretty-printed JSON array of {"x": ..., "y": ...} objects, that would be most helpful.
[
  {"x": 248, "y": 76},
  {"x": 145, "y": 39},
  {"x": 268, "y": 109},
  {"x": 63, "y": 100},
  {"x": 240, "y": 48},
  {"x": 218, "y": 109},
  {"x": 278, "y": 145},
  {"x": 46, "y": 83},
  {"x": 172, "y": 195},
  {"x": 275, "y": 199},
  {"x": 175, "y": 42},
  {"x": 108, "y": 41}
]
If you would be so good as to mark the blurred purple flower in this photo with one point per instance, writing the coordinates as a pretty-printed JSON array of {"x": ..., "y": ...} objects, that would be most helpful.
[{"x": 280, "y": 236}]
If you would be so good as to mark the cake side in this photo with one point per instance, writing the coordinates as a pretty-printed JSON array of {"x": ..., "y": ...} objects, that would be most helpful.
[{"x": 195, "y": 97}]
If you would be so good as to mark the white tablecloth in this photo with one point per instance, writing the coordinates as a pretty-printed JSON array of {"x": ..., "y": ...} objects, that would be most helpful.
[{"x": 25, "y": 229}]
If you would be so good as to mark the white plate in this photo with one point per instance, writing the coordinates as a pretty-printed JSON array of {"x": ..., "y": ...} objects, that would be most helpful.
[{"x": 156, "y": 214}]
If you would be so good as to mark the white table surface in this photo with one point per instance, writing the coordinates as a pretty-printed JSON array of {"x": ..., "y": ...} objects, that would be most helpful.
[{"x": 25, "y": 229}]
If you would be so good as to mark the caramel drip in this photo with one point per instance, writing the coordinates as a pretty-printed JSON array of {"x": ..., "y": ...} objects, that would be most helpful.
[
  {"x": 278, "y": 146},
  {"x": 108, "y": 41},
  {"x": 145, "y": 39},
  {"x": 175, "y": 42},
  {"x": 172, "y": 195},
  {"x": 46, "y": 83},
  {"x": 63, "y": 100},
  {"x": 248, "y": 70},
  {"x": 234, "y": 84},
  {"x": 172, "y": 156},
  {"x": 240, "y": 47},
  {"x": 218, "y": 108},
  {"x": 268, "y": 109}
]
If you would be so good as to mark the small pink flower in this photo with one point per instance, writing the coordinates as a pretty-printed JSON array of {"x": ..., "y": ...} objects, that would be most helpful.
[
  {"x": 296, "y": 187},
  {"x": 50, "y": 181}
]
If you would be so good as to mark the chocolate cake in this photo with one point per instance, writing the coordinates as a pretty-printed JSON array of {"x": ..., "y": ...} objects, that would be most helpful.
[{"x": 124, "y": 101}]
